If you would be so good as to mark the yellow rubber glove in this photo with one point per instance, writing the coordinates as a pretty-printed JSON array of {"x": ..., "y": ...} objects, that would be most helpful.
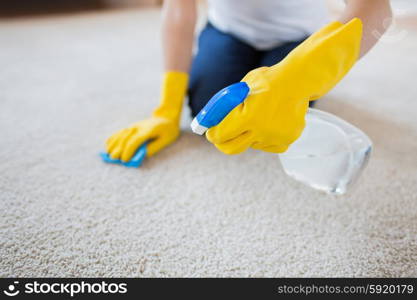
[
  {"x": 273, "y": 115},
  {"x": 162, "y": 128}
]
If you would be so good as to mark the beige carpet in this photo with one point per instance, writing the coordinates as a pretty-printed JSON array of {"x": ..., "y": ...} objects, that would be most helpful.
[{"x": 67, "y": 82}]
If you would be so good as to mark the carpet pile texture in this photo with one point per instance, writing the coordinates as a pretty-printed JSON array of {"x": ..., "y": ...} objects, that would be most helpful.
[{"x": 68, "y": 82}]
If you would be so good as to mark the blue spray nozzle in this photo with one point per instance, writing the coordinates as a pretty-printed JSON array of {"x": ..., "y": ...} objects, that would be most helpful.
[
  {"x": 219, "y": 106},
  {"x": 134, "y": 162}
]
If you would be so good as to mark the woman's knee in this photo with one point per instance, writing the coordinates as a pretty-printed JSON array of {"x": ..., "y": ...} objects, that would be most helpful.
[{"x": 202, "y": 88}]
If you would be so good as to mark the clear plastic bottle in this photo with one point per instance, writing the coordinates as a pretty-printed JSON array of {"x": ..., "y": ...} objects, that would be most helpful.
[{"x": 330, "y": 154}]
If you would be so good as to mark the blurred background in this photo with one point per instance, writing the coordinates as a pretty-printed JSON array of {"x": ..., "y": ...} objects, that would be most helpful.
[{"x": 39, "y": 7}]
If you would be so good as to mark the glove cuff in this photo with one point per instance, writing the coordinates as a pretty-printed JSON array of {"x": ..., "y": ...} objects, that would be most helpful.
[
  {"x": 174, "y": 87},
  {"x": 322, "y": 60}
]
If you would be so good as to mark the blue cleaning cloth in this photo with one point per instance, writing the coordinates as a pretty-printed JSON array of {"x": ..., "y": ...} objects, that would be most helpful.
[{"x": 134, "y": 162}]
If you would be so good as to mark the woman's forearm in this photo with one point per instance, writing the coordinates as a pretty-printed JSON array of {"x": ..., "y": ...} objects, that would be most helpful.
[
  {"x": 179, "y": 19},
  {"x": 376, "y": 16}
]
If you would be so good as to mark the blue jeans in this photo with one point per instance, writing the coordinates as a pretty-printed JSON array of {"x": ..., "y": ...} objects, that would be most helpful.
[{"x": 221, "y": 60}]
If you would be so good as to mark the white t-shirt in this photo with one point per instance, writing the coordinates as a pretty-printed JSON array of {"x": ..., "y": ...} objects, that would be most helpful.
[{"x": 265, "y": 24}]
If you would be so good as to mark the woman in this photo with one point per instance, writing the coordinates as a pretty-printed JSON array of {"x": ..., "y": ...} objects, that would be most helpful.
[{"x": 241, "y": 36}]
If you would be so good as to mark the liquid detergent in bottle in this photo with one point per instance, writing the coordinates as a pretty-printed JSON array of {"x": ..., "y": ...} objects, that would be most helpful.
[{"x": 329, "y": 156}]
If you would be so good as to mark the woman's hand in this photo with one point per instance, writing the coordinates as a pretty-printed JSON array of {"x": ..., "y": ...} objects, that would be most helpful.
[
  {"x": 159, "y": 131},
  {"x": 272, "y": 117}
]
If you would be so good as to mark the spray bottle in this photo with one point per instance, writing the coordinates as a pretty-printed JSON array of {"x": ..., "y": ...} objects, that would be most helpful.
[{"x": 330, "y": 155}]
